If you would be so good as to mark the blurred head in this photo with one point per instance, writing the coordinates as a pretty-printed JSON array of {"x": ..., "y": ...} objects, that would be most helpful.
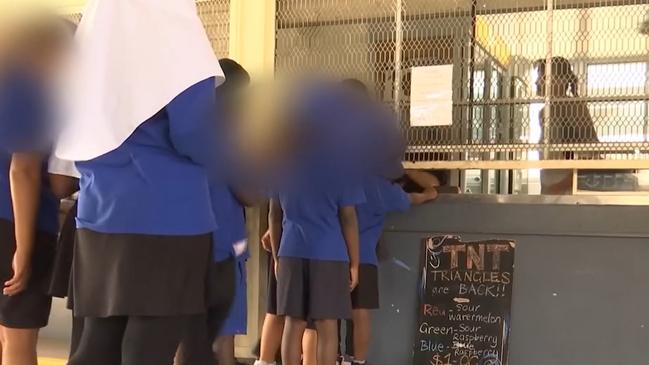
[
  {"x": 236, "y": 77},
  {"x": 356, "y": 85},
  {"x": 265, "y": 133},
  {"x": 563, "y": 82},
  {"x": 38, "y": 43}
]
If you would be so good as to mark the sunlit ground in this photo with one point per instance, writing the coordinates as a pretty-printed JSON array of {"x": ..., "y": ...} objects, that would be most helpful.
[{"x": 50, "y": 361}]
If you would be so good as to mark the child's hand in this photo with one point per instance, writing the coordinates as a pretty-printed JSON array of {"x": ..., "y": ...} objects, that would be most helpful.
[
  {"x": 353, "y": 277},
  {"x": 22, "y": 272},
  {"x": 265, "y": 242},
  {"x": 431, "y": 194},
  {"x": 276, "y": 267}
]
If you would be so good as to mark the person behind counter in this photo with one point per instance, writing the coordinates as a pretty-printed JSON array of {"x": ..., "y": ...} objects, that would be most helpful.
[
  {"x": 28, "y": 208},
  {"x": 142, "y": 140},
  {"x": 568, "y": 122}
]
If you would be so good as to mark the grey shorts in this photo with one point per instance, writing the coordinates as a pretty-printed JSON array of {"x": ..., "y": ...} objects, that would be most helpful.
[
  {"x": 31, "y": 308},
  {"x": 366, "y": 294},
  {"x": 313, "y": 289}
]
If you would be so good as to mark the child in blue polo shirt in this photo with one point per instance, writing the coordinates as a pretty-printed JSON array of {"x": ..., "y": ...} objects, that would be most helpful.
[
  {"x": 227, "y": 302},
  {"x": 314, "y": 227},
  {"x": 28, "y": 207},
  {"x": 317, "y": 263},
  {"x": 231, "y": 233},
  {"x": 383, "y": 197}
]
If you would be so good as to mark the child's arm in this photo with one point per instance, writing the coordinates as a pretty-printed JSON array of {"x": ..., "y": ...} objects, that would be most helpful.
[
  {"x": 349, "y": 224},
  {"x": 247, "y": 198},
  {"x": 423, "y": 179},
  {"x": 427, "y": 195},
  {"x": 63, "y": 186},
  {"x": 265, "y": 242},
  {"x": 275, "y": 227},
  {"x": 25, "y": 180}
]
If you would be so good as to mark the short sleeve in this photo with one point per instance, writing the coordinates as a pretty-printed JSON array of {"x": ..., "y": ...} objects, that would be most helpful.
[
  {"x": 351, "y": 195},
  {"x": 23, "y": 116},
  {"x": 395, "y": 199},
  {"x": 192, "y": 123}
]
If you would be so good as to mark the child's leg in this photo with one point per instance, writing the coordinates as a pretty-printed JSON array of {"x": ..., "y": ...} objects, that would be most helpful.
[
  {"x": 225, "y": 350},
  {"x": 195, "y": 347},
  {"x": 362, "y": 333},
  {"x": 327, "y": 341},
  {"x": 292, "y": 341},
  {"x": 310, "y": 347},
  {"x": 271, "y": 337},
  {"x": 154, "y": 340},
  {"x": 236, "y": 322},
  {"x": 2, "y": 342},
  {"x": 349, "y": 337},
  {"x": 364, "y": 298},
  {"x": 77, "y": 330},
  {"x": 19, "y": 346},
  {"x": 100, "y": 342}
]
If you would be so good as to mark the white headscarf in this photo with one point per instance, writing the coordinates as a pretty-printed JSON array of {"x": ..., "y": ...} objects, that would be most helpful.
[{"x": 132, "y": 58}]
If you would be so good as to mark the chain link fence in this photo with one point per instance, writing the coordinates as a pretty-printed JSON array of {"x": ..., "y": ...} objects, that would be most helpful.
[
  {"x": 479, "y": 80},
  {"x": 215, "y": 15}
]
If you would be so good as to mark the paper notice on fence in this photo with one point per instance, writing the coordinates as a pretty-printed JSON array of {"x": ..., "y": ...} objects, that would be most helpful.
[{"x": 431, "y": 96}]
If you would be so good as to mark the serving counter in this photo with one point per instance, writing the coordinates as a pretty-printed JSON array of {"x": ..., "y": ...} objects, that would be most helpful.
[{"x": 581, "y": 276}]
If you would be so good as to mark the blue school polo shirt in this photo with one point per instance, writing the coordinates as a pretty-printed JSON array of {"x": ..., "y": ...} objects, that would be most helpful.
[
  {"x": 25, "y": 127},
  {"x": 156, "y": 182},
  {"x": 382, "y": 197},
  {"x": 230, "y": 219},
  {"x": 311, "y": 226}
]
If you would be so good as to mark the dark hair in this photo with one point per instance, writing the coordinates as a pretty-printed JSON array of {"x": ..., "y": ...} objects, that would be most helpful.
[
  {"x": 356, "y": 85},
  {"x": 235, "y": 75},
  {"x": 561, "y": 69}
]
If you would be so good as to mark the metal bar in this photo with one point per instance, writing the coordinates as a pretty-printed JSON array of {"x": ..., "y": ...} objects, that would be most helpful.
[
  {"x": 398, "y": 54},
  {"x": 548, "y": 78},
  {"x": 620, "y": 147},
  {"x": 523, "y": 165},
  {"x": 588, "y": 99},
  {"x": 443, "y": 14},
  {"x": 474, "y": 23}
]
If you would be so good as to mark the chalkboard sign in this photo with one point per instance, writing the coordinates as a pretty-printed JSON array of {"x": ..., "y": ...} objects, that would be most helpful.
[{"x": 465, "y": 302}]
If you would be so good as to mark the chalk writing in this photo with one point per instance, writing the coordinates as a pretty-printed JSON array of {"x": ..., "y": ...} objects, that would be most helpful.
[{"x": 465, "y": 303}]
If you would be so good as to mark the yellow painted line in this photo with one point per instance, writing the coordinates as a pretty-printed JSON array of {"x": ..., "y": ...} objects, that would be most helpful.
[{"x": 50, "y": 361}]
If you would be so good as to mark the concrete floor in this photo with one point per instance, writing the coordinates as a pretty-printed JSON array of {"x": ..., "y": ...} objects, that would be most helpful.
[{"x": 52, "y": 352}]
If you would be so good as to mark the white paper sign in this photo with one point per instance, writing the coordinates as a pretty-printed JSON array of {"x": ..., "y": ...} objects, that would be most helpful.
[{"x": 431, "y": 96}]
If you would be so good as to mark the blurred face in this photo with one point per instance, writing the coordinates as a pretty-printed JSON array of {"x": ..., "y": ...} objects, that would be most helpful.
[{"x": 264, "y": 137}]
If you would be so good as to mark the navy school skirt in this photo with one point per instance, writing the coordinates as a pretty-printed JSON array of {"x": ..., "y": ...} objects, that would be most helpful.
[
  {"x": 60, "y": 279},
  {"x": 31, "y": 308},
  {"x": 141, "y": 275}
]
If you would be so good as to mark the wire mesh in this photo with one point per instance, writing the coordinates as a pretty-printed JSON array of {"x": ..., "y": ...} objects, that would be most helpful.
[
  {"x": 215, "y": 15},
  {"x": 523, "y": 79}
]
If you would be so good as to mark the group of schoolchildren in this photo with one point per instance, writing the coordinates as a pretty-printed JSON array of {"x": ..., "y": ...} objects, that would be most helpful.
[{"x": 152, "y": 256}]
